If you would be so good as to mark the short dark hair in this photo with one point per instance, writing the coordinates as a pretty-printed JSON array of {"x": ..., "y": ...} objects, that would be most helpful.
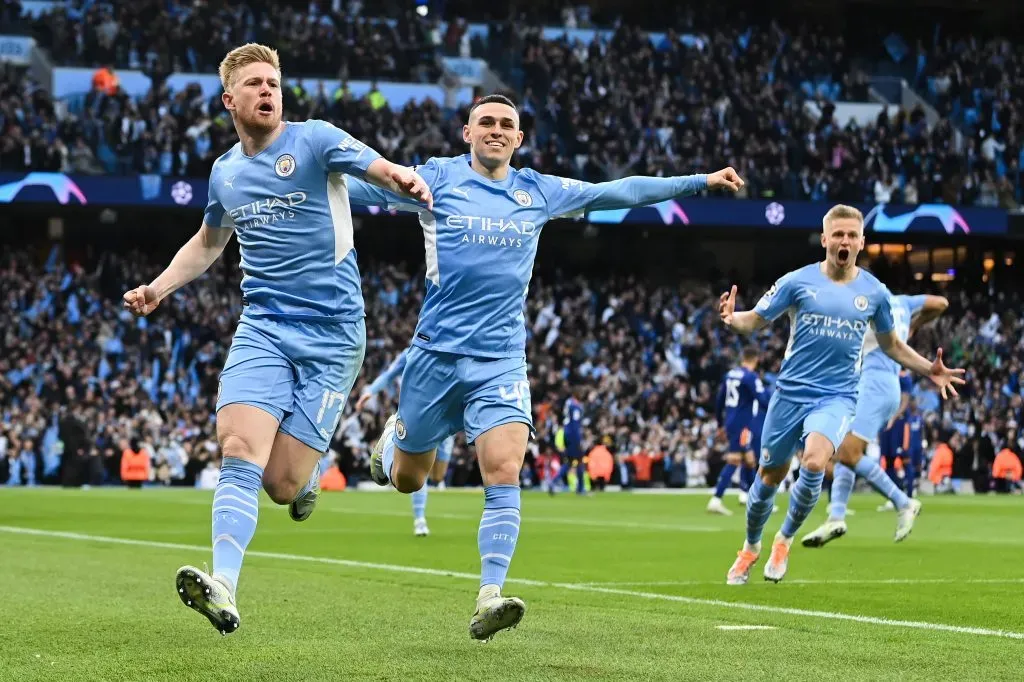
[
  {"x": 490, "y": 99},
  {"x": 751, "y": 353}
]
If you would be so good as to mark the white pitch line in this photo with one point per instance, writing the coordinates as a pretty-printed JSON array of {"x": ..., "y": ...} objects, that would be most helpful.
[
  {"x": 555, "y": 520},
  {"x": 575, "y": 587},
  {"x": 746, "y": 627},
  {"x": 838, "y": 581}
]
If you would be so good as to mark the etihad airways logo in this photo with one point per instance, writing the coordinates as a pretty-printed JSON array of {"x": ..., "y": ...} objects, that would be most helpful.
[
  {"x": 838, "y": 328},
  {"x": 267, "y": 210},
  {"x": 499, "y": 232}
]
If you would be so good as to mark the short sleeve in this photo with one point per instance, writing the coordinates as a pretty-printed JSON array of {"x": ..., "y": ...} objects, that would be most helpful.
[
  {"x": 883, "y": 320},
  {"x": 339, "y": 152},
  {"x": 778, "y": 299},
  {"x": 215, "y": 215}
]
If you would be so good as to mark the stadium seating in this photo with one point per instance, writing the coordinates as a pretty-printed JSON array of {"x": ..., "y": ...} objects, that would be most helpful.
[
  {"x": 78, "y": 373},
  {"x": 721, "y": 88},
  {"x": 716, "y": 88}
]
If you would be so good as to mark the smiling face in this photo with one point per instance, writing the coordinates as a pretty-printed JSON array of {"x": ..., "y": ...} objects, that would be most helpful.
[
  {"x": 493, "y": 134},
  {"x": 843, "y": 240},
  {"x": 254, "y": 97}
]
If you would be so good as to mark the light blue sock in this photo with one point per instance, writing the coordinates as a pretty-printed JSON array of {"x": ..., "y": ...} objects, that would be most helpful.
[
  {"x": 760, "y": 501},
  {"x": 802, "y": 499},
  {"x": 419, "y": 503},
  {"x": 499, "y": 530},
  {"x": 387, "y": 458},
  {"x": 868, "y": 469},
  {"x": 724, "y": 479},
  {"x": 235, "y": 510},
  {"x": 843, "y": 479}
]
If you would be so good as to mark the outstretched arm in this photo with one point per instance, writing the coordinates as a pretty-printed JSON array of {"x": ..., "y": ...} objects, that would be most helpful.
[
  {"x": 932, "y": 307},
  {"x": 574, "y": 197},
  {"x": 192, "y": 260},
  {"x": 393, "y": 371},
  {"x": 942, "y": 376},
  {"x": 746, "y": 322},
  {"x": 403, "y": 181}
]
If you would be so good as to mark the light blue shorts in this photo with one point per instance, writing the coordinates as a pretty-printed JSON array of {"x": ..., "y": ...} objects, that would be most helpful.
[
  {"x": 878, "y": 400},
  {"x": 444, "y": 393},
  {"x": 787, "y": 424},
  {"x": 444, "y": 450},
  {"x": 299, "y": 371}
]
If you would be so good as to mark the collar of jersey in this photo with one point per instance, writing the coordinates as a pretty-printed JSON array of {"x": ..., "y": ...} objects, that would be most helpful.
[
  {"x": 507, "y": 182},
  {"x": 287, "y": 124},
  {"x": 828, "y": 279}
]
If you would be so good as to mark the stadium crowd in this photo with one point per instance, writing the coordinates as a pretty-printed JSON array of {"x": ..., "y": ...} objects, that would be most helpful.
[
  {"x": 89, "y": 394},
  {"x": 738, "y": 94}
]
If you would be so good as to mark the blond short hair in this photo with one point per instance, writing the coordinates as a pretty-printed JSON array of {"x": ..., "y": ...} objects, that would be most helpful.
[
  {"x": 840, "y": 211},
  {"x": 240, "y": 57}
]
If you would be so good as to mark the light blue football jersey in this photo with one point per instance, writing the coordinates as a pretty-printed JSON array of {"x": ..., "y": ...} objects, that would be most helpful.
[
  {"x": 829, "y": 325},
  {"x": 289, "y": 208},
  {"x": 481, "y": 242},
  {"x": 903, "y": 310}
]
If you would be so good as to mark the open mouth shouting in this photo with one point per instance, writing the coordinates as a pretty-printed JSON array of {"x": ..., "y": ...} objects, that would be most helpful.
[
  {"x": 843, "y": 256},
  {"x": 265, "y": 109}
]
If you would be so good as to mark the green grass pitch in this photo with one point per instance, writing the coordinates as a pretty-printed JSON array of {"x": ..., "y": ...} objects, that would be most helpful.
[{"x": 618, "y": 587}]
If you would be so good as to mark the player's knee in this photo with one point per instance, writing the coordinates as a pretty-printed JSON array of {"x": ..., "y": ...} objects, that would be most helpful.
[
  {"x": 816, "y": 460},
  {"x": 283, "y": 490},
  {"x": 408, "y": 482},
  {"x": 233, "y": 445},
  {"x": 774, "y": 476},
  {"x": 733, "y": 458},
  {"x": 503, "y": 472}
]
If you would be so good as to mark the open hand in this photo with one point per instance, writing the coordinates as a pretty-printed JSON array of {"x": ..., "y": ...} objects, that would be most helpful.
[
  {"x": 727, "y": 305},
  {"x": 944, "y": 377},
  {"x": 409, "y": 183}
]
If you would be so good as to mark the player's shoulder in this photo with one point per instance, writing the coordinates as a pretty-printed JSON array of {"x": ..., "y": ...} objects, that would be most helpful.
[
  {"x": 439, "y": 167},
  {"x": 225, "y": 160},
  {"x": 867, "y": 279},
  {"x": 307, "y": 127},
  {"x": 545, "y": 180},
  {"x": 807, "y": 273}
]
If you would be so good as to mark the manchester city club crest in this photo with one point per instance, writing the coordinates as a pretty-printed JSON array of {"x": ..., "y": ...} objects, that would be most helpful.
[
  {"x": 523, "y": 198},
  {"x": 285, "y": 165},
  {"x": 400, "y": 430},
  {"x": 861, "y": 303}
]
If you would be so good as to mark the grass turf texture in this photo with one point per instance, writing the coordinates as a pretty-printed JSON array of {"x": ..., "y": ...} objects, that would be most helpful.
[{"x": 89, "y": 608}]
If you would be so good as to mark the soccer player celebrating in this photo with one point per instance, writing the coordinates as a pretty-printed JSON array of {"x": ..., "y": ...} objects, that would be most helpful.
[
  {"x": 878, "y": 403},
  {"x": 741, "y": 397},
  {"x": 300, "y": 341},
  {"x": 831, "y": 305},
  {"x": 467, "y": 367},
  {"x": 438, "y": 471}
]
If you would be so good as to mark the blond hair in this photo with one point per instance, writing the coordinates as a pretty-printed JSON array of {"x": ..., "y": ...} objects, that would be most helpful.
[
  {"x": 240, "y": 57},
  {"x": 840, "y": 211}
]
